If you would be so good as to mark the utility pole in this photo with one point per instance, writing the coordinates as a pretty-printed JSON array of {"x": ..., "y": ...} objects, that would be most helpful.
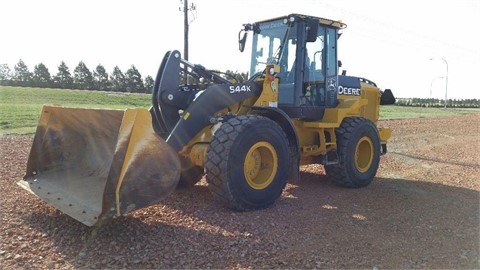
[
  {"x": 186, "y": 23},
  {"x": 185, "y": 31},
  {"x": 446, "y": 79}
]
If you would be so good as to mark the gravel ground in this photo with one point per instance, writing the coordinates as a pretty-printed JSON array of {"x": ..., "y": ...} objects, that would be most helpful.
[{"x": 422, "y": 211}]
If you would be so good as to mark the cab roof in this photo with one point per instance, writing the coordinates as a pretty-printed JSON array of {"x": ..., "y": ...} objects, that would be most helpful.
[{"x": 323, "y": 21}]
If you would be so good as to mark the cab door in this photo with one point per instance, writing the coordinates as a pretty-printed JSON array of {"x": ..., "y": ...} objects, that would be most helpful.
[{"x": 321, "y": 57}]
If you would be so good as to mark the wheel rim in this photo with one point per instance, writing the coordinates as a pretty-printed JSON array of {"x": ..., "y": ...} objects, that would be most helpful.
[
  {"x": 260, "y": 165},
  {"x": 364, "y": 154}
]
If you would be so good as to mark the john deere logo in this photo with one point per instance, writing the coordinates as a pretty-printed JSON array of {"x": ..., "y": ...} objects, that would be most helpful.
[
  {"x": 342, "y": 90},
  {"x": 331, "y": 85}
]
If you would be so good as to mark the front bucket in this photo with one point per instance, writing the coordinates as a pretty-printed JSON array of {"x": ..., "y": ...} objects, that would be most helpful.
[{"x": 94, "y": 164}]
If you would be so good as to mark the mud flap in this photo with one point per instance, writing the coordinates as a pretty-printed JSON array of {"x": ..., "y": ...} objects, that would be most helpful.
[{"x": 94, "y": 164}]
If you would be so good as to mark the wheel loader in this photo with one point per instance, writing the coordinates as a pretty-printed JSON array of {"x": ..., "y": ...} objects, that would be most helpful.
[{"x": 247, "y": 138}]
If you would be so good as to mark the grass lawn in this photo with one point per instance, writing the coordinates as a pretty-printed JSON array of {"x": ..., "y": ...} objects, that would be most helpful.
[
  {"x": 20, "y": 107},
  {"x": 394, "y": 112}
]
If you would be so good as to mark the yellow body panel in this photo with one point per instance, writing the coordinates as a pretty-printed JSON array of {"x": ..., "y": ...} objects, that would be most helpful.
[
  {"x": 269, "y": 95},
  {"x": 372, "y": 95}
]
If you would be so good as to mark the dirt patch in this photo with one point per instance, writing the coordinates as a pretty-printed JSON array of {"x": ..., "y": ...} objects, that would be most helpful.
[{"x": 422, "y": 211}]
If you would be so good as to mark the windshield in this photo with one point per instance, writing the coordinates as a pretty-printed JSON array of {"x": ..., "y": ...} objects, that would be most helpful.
[{"x": 271, "y": 45}]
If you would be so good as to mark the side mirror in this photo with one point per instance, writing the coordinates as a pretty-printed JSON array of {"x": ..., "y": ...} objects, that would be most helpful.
[
  {"x": 246, "y": 27},
  {"x": 242, "y": 40},
  {"x": 312, "y": 29}
]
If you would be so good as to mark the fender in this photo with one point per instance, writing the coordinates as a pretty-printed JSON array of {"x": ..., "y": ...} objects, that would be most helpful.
[{"x": 281, "y": 118}]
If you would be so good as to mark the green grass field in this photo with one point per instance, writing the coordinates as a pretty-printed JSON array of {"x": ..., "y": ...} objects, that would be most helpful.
[
  {"x": 20, "y": 107},
  {"x": 396, "y": 112}
]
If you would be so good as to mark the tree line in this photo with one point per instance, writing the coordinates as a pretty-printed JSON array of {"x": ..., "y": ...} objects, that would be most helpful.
[
  {"x": 82, "y": 78},
  {"x": 97, "y": 79},
  {"x": 132, "y": 81},
  {"x": 438, "y": 103}
]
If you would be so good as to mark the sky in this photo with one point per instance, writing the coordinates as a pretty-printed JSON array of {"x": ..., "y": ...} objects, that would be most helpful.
[{"x": 409, "y": 46}]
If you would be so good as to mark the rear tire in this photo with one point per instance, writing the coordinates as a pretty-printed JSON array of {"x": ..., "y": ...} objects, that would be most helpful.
[
  {"x": 358, "y": 148},
  {"x": 248, "y": 162}
]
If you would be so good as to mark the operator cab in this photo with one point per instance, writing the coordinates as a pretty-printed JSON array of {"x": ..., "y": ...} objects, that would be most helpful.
[{"x": 305, "y": 48}]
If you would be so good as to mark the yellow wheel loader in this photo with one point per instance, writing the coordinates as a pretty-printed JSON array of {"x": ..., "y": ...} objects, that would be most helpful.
[{"x": 247, "y": 138}]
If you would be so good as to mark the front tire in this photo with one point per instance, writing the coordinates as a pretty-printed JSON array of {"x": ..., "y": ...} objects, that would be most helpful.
[
  {"x": 358, "y": 149},
  {"x": 248, "y": 162}
]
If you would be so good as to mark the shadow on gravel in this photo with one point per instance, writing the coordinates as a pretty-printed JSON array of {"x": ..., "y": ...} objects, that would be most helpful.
[
  {"x": 438, "y": 160},
  {"x": 393, "y": 223}
]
